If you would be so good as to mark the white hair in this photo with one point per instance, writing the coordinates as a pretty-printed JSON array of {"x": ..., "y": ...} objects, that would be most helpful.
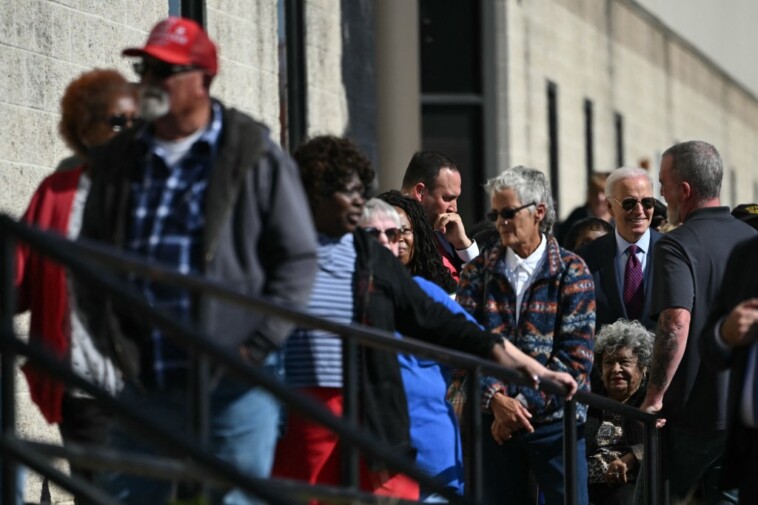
[
  {"x": 375, "y": 208},
  {"x": 530, "y": 185},
  {"x": 625, "y": 173}
]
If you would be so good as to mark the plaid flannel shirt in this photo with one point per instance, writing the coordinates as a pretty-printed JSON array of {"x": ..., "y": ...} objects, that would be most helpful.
[{"x": 166, "y": 226}]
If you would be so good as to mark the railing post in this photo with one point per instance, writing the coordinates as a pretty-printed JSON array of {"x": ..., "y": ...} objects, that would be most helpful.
[
  {"x": 652, "y": 466},
  {"x": 200, "y": 407},
  {"x": 7, "y": 363},
  {"x": 475, "y": 465},
  {"x": 569, "y": 452},
  {"x": 348, "y": 452}
]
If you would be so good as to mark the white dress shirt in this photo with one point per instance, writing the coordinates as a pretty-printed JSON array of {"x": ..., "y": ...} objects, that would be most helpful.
[{"x": 520, "y": 271}]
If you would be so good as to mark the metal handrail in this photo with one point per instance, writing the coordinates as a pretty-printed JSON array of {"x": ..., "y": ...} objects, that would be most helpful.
[{"x": 71, "y": 254}]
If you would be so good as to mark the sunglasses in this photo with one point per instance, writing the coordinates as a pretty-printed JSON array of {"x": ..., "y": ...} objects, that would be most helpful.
[
  {"x": 392, "y": 234},
  {"x": 160, "y": 69},
  {"x": 119, "y": 122},
  {"x": 507, "y": 213},
  {"x": 630, "y": 203}
]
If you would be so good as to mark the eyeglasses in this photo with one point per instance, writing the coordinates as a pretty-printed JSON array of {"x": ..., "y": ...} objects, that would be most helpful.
[
  {"x": 507, "y": 213},
  {"x": 118, "y": 122},
  {"x": 630, "y": 203},
  {"x": 406, "y": 231},
  {"x": 357, "y": 191},
  {"x": 160, "y": 69},
  {"x": 392, "y": 234}
]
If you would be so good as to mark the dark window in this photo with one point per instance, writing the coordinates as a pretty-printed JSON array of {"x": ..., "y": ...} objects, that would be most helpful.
[
  {"x": 618, "y": 125},
  {"x": 589, "y": 153},
  {"x": 451, "y": 93},
  {"x": 450, "y": 45},
  {"x": 455, "y": 130},
  {"x": 192, "y": 9},
  {"x": 292, "y": 75},
  {"x": 552, "y": 133}
]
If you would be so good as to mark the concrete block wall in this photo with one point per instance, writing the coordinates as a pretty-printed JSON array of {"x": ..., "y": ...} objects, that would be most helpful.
[
  {"x": 248, "y": 45},
  {"x": 44, "y": 44},
  {"x": 339, "y": 47},
  {"x": 623, "y": 60},
  {"x": 326, "y": 94}
]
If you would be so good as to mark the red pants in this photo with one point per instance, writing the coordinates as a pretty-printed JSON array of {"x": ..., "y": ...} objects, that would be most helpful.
[{"x": 310, "y": 452}]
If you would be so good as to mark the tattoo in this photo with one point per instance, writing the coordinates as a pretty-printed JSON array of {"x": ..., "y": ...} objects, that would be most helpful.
[{"x": 666, "y": 345}]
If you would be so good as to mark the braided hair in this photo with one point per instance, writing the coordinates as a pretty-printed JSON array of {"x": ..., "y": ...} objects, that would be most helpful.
[{"x": 425, "y": 261}]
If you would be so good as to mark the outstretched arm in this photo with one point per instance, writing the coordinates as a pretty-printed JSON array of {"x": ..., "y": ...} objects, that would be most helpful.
[{"x": 509, "y": 355}]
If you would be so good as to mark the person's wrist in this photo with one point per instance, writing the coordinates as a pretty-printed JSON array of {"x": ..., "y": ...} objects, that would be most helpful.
[{"x": 462, "y": 243}]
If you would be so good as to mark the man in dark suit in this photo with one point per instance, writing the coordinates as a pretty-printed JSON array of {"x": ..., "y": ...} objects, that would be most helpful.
[
  {"x": 730, "y": 341},
  {"x": 623, "y": 281}
]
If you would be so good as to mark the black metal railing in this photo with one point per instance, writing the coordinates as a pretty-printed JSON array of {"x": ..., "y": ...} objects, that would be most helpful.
[{"x": 99, "y": 266}]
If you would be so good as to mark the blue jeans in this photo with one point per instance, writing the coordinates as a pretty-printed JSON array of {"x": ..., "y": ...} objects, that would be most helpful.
[
  {"x": 690, "y": 459},
  {"x": 244, "y": 425},
  {"x": 507, "y": 466}
]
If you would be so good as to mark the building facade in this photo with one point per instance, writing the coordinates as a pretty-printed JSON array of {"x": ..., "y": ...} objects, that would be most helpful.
[{"x": 566, "y": 86}]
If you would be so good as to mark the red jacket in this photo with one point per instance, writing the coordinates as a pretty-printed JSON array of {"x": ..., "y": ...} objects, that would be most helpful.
[{"x": 41, "y": 287}]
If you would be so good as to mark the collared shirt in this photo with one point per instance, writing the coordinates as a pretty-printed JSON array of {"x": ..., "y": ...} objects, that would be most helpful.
[
  {"x": 166, "y": 226},
  {"x": 622, "y": 255},
  {"x": 520, "y": 271}
]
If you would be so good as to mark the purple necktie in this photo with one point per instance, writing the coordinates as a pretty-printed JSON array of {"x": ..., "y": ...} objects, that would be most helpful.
[{"x": 634, "y": 293}]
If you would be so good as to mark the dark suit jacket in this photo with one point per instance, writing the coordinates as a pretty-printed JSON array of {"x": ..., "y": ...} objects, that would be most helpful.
[
  {"x": 740, "y": 283},
  {"x": 600, "y": 256}
]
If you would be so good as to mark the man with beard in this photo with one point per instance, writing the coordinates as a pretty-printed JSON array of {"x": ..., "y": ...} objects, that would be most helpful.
[
  {"x": 434, "y": 180},
  {"x": 202, "y": 189},
  {"x": 689, "y": 264}
]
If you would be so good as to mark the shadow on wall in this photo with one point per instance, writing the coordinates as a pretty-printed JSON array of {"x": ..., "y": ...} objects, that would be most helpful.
[{"x": 358, "y": 73}]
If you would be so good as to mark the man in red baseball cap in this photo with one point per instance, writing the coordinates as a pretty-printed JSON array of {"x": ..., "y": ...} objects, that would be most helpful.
[
  {"x": 179, "y": 41},
  {"x": 202, "y": 189},
  {"x": 177, "y": 65}
]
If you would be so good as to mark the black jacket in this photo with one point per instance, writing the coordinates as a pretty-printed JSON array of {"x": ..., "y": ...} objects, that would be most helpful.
[
  {"x": 387, "y": 297},
  {"x": 740, "y": 283}
]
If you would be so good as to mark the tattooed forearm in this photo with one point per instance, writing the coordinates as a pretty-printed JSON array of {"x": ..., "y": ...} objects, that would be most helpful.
[{"x": 668, "y": 337}]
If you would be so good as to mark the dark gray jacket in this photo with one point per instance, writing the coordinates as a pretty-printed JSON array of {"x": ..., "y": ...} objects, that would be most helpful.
[{"x": 258, "y": 239}]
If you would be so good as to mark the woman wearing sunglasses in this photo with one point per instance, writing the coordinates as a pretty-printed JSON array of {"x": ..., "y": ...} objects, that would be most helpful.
[
  {"x": 434, "y": 426},
  {"x": 95, "y": 106},
  {"x": 542, "y": 298},
  {"x": 359, "y": 280}
]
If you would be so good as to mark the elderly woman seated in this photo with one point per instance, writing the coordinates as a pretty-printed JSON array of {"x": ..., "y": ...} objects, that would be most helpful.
[{"x": 614, "y": 444}]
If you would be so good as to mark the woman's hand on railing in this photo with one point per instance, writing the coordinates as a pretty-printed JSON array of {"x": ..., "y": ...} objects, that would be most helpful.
[
  {"x": 508, "y": 354},
  {"x": 562, "y": 378}
]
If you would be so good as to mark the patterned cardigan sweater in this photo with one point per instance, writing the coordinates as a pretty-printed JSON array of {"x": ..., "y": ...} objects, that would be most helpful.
[{"x": 556, "y": 325}]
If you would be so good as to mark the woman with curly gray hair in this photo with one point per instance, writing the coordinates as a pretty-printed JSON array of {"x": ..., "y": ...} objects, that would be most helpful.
[{"x": 614, "y": 444}]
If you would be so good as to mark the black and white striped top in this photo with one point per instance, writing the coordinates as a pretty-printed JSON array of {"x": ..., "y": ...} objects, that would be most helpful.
[{"x": 313, "y": 358}]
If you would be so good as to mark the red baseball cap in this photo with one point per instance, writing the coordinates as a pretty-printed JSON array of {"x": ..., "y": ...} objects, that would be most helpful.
[{"x": 179, "y": 41}]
